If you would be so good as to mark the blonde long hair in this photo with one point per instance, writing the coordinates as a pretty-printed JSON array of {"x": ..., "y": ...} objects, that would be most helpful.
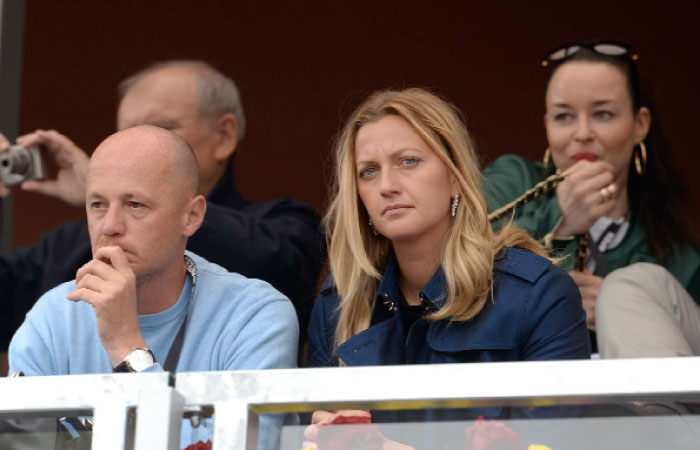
[{"x": 470, "y": 247}]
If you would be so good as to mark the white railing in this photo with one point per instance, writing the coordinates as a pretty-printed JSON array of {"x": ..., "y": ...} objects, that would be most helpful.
[
  {"x": 108, "y": 398},
  {"x": 239, "y": 397}
]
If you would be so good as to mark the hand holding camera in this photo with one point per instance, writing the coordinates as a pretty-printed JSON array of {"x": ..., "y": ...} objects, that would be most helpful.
[{"x": 22, "y": 165}]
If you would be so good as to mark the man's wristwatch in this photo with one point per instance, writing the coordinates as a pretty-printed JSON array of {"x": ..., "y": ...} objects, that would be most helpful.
[{"x": 137, "y": 360}]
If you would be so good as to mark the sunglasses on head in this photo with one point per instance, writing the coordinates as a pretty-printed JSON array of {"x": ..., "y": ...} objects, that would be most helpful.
[{"x": 606, "y": 48}]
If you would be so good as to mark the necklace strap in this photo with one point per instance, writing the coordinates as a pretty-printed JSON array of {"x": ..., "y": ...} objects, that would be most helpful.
[{"x": 174, "y": 353}]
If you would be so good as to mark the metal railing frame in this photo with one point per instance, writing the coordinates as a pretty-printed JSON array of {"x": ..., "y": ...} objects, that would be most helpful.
[
  {"x": 239, "y": 397},
  {"x": 108, "y": 398}
]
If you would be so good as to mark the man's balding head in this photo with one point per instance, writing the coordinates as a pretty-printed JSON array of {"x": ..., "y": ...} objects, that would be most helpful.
[
  {"x": 217, "y": 94},
  {"x": 142, "y": 195},
  {"x": 155, "y": 147},
  {"x": 193, "y": 100}
]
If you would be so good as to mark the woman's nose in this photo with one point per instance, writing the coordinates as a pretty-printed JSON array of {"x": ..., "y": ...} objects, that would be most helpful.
[
  {"x": 388, "y": 183},
  {"x": 583, "y": 131}
]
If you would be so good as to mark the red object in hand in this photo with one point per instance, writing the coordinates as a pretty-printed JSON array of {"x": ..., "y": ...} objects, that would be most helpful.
[
  {"x": 199, "y": 446},
  {"x": 351, "y": 419},
  {"x": 344, "y": 437},
  {"x": 492, "y": 435}
]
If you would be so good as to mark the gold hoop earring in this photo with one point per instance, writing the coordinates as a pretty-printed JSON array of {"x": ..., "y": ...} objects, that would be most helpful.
[
  {"x": 640, "y": 159},
  {"x": 545, "y": 159}
]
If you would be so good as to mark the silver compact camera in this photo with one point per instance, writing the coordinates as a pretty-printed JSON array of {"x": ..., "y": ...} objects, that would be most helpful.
[{"x": 20, "y": 164}]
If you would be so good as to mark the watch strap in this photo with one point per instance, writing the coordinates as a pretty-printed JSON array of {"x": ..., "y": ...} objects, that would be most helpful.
[{"x": 125, "y": 366}]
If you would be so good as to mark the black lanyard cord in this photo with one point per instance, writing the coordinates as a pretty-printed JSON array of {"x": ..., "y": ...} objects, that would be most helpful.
[{"x": 174, "y": 353}]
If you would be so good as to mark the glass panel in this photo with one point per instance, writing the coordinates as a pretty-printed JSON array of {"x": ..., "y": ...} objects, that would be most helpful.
[
  {"x": 638, "y": 433},
  {"x": 53, "y": 433},
  {"x": 47, "y": 432},
  {"x": 629, "y": 425},
  {"x": 24, "y": 434}
]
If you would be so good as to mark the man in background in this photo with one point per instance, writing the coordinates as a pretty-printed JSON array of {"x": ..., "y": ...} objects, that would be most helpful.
[{"x": 278, "y": 241}]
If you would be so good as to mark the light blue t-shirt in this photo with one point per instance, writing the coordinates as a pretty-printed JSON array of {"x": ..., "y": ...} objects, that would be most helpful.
[{"x": 233, "y": 323}]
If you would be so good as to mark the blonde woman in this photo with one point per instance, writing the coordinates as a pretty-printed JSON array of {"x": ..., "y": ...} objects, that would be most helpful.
[{"x": 418, "y": 275}]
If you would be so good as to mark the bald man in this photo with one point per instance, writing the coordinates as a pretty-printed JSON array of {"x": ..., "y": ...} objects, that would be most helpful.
[
  {"x": 278, "y": 241},
  {"x": 142, "y": 303}
]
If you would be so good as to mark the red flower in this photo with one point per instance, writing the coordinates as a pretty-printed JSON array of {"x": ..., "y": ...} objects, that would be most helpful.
[
  {"x": 492, "y": 435},
  {"x": 199, "y": 446}
]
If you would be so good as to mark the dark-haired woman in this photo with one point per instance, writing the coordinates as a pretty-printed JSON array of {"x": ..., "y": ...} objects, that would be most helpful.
[{"x": 621, "y": 192}]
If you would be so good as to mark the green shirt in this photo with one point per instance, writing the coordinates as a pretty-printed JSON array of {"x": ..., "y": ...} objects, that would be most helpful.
[{"x": 510, "y": 176}]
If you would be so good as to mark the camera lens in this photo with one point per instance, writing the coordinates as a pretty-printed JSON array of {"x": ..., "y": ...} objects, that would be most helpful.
[{"x": 21, "y": 162}]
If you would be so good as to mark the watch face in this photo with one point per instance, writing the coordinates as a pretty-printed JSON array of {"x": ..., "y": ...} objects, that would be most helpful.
[{"x": 139, "y": 359}]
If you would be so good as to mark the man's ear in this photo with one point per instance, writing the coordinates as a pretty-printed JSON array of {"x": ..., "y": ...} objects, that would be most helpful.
[
  {"x": 226, "y": 128},
  {"x": 194, "y": 215}
]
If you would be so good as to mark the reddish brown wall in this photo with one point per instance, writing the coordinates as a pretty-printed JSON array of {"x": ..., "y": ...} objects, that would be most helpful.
[{"x": 302, "y": 66}]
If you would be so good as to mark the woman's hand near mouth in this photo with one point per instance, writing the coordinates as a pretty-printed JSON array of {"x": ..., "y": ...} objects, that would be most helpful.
[{"x": 580, "y": 198}]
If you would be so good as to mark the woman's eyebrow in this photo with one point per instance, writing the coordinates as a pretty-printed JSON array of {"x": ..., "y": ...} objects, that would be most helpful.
[{"x": 603, "y": 102}]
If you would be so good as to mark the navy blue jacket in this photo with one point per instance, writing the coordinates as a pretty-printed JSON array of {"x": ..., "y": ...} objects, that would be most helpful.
[{"x": 535, "y": 314}]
